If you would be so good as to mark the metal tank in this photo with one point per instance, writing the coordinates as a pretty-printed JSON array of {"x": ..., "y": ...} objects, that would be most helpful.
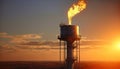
[{"x": 69, "y": 31}]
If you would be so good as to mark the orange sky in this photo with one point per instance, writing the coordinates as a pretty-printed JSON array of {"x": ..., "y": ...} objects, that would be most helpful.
[
  {"x": 87, "y": 53},
  {"x": 110, "y": 53},
  {"x": 28, "y": 29}
]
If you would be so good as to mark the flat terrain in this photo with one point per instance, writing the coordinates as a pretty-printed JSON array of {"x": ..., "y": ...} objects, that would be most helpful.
[
  {"x": 30, "y": 65},
  {"x": 56, "y": 65}
]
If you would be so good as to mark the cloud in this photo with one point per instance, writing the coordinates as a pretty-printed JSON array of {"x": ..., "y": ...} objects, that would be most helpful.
[
  {"x": 12, "y": 41},
  {"x": 25, "y": 41},
  {"x": 3, "y": 33},
  {"x": 28, "y": 36},
  {"x": 7, "y": 48},
  {"x": 86, "y": 44},
  {"x": 26, "y": 47},
  {"x": 41, "y": 43},
  {"x": 23, "y": 38},
  {"x": 32, "y": 41},
  {"x": 94, "y": 42}
]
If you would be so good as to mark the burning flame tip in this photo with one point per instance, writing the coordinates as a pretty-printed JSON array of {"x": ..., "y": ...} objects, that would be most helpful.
[{"x": 75, "y": 9}]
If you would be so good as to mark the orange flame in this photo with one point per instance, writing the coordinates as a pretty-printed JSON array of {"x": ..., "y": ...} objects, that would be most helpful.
[{"x": 75, "y": 9}]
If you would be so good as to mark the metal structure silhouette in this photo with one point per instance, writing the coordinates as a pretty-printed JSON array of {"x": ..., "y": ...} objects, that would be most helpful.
[{"x": 69, "y": 34}]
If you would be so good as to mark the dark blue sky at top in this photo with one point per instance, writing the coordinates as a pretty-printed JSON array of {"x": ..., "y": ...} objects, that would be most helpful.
[{"x": 44, "y": 16}]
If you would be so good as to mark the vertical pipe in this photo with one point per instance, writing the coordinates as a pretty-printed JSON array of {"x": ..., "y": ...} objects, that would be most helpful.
[
  {"x": 76, "y": 51},
  {"x": 64, "y": 50},
  {"x": 70, "y": 59},
  {"x": 60, "y": 51},
  {"x": 64, "y": 54},
  {"x": 79, "y": 50},
  {"x": 77, "y": 54}
]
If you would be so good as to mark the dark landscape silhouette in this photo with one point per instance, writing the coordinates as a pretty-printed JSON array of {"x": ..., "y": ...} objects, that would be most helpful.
[{"x": 56, "y": 65}]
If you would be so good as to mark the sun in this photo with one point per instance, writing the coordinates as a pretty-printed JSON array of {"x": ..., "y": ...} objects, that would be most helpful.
[{"x": 116, "y": 44}]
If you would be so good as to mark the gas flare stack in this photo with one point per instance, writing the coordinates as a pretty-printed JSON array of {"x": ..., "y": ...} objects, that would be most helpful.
[{"x": 69, "y": 34}]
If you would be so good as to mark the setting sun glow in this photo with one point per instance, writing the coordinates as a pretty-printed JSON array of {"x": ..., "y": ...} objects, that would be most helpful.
[{"x": 117, "y": 45}]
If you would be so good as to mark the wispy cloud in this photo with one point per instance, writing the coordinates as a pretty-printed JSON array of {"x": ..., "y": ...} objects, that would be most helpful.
[
  {"x": 7, "y": 48},
  {"x": 32, "y": 41},
  {"x": 23, "y": 38},
  {"x": 40, "y": 45},
  {"x": 42, "y": 42},
  {"x": 93, "y": 42},
  {"x": 3, "y": 33},
  {"x": 11, "y": 42}
]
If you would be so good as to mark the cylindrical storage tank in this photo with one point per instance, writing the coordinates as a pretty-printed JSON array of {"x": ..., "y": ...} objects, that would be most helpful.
[{"x": 71, "y": 31}]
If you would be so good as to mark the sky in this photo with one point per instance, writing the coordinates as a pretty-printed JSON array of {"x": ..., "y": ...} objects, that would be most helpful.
[{"x": 30, "y": 28}]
